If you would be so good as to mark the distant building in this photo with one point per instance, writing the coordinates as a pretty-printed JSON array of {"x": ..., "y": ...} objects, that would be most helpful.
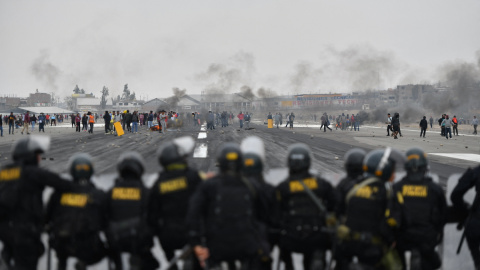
[
  {"x": 38, "y": 99},
  {"x": 413, "y": 92},
  {"x": 153, "y": 105}
]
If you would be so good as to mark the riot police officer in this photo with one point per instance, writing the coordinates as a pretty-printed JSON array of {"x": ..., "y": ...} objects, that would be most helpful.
[
  {"x": 470, "y": 179},
  {"x": 75, "y": 218},
  {"x": 372, "y": 212},
  {"x": 425, "y": 209},
  {"x": 128, "y": 230},
  {"x": 169, "y": 196},
  {"x": 21, "y": 200},
  {"x": 304, "y": 201},
  {"x": 253, "y": 151},
  {"x": 353, "y": 164},
  {"x": 224, "y": 215}
]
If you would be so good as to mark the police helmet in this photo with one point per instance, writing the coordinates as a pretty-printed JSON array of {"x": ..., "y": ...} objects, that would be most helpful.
[
  {"x": 131, "y": 164},
  {"x": 299, "y": 157},
  {"x": 25, "y": 150},
  {"x": 175, "y": 151},
  {"x": 253, "y": 151},
  {"x": 379, "y": 163},
  {"x": 81, "y": 167},
  {"x": 229, "y": 158},
  {"x": 416, "y": 160},
  {"x": 353, "y": 161}
]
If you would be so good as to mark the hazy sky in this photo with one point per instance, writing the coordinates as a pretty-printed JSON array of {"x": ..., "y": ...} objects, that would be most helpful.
[{"x": 285, "y": 46}]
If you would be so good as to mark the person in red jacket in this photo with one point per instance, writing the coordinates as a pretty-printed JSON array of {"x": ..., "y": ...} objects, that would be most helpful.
[
  {"x": 240, "y": 119},
  {"x": 26, "y": 122},
  {"x": 455, "y": 125}
]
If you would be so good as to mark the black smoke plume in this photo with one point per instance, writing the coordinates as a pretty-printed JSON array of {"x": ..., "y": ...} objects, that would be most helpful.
[{"x": 45, "y": 71}]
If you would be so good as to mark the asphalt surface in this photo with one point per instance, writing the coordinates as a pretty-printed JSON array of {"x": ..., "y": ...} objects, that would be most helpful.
[{"x": 328, "y": 149}]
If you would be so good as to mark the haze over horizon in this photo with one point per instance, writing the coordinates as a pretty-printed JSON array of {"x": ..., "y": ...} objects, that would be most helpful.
[{"x": 282, "y": 46}]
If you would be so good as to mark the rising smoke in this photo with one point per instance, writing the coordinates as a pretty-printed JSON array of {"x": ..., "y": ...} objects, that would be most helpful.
[
  {"x": 224, "y": 78},
  {"x": 177, "y": 95},
  {"x": 45, "y": 72}
]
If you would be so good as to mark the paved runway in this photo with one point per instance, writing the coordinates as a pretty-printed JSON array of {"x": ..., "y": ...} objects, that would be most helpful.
[{"x": 447, "y": 157}]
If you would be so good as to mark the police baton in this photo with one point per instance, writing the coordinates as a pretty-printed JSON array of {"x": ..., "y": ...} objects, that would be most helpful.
[{"x": 49, "y": 255}]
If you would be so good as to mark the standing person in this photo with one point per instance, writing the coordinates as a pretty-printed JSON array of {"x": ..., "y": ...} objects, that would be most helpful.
[
  {"x": 470, "y": 179},
  {"x": 47, "y": 119},
  {"x": 301, "y": 211},
  {"x": 447, "y": 124},
  {"x": 248, "y": 118},
  {"x": 240, "y": 117},
  {"x": 107, "y": 118},
  {"x": 389, "y": 124},
  {"x": 41, "y": 122},
  {"x": 22, "y": 214},
  {"x": 371, "y": 215},
  {"x": 431, "y": 121},
  {"x": 128, "y": 120},
  {"x": 352, "y": 121},
  {"x": 425, "y": 207},
  {"x": 290, "y": 120},
  {"x": 224, "y": 215},
  {"x": 85, "y": 122},
  {"x": 33, "y": 120},
  {"x": 128, "y": 229},
  {"x": 91, "y": 121},
  {"x": 357, "y": 122},
  {"x": 396, "y": 125},
  {"x": 287, "y": 117},
  {"x": 277, "y": 119},
  {"x": 77, "y": 120},
  {"x": 423, "y": 126},
  {"x": 53, "y": 120},
  {"x": 150, "y": 119},
  {"x": 170, "y": 194},
  {"x": 163, "y": 121},
  {"x": 325, "y": 123},
  {"x": 475, "y": 124},
  {"x": 72, "y": 118},
  {"x": 11, "y": 123},
  {"x": 442, "y": 126},
  {"x": 135, "y": 122},
  {"x": 455, "y": 125},
  {"x": 26, "y": 122},
  {"x": 75, "y": 219},
  {"x": 210, "y": 120},
  {"x": 141, "y": 119}
]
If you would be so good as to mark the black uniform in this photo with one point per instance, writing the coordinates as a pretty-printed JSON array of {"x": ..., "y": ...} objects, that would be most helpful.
[
  {"x": 75, "y": 220},
  {"x": 225, "y": 211},
  {"x": 168, "y": 206},
  {"x": 425, "y": 214},
  {"x": 22, "y": 223},
  {"x": 302, "y": 223},
  {"x": 369, "y": 224},
  {"x": 423, "y": 126},
  {"x": 471, "y": 178},
  {"x": 128, "y": 230}
]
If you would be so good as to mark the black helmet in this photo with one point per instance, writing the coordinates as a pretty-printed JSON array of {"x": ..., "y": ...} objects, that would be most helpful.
[
  {"x": 229, "y": 158},
  {"x": 299, "y": 158},
  {"x": 379, "y": 163},
  {"x": 253, "y": 151},
  {"x": 416, "y": 160},
  {"x": 353, "y": 161},
  {"x": 81, "y": 167},
  {"x": 25, "y": 150},
  {"x": 175, "y": 152},
  {"x": 130, "y": 165}
]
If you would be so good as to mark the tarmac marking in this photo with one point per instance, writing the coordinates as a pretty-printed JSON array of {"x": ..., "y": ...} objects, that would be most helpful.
[
  {"x": 200, "y": 151},
  {"x": 469, "y": 157},
  {"x": 202, "y": 135}
]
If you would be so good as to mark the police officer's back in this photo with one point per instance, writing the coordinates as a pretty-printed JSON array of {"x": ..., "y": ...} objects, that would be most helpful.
[
  {"x": 424, "y": 208},
  {"x": 302, "y": 221},
  {"x": 128, "y": 230},
  {"x": 353, "y": 164},
  {"x": 75, "y": 218},
  {"x": 169, "y": 196},
  {"x": 21, "y": 199},
  {"x": 470, "y": 179},
  {"x": 371, "y": 214},
  {"x": 225, "y": 211}
]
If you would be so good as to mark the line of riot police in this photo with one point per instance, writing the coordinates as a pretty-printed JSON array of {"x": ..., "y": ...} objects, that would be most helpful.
[{"x": 234, "y": 218}]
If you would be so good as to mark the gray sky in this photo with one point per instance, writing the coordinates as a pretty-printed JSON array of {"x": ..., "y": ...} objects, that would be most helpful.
[{"x": 285, "y": 46}]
